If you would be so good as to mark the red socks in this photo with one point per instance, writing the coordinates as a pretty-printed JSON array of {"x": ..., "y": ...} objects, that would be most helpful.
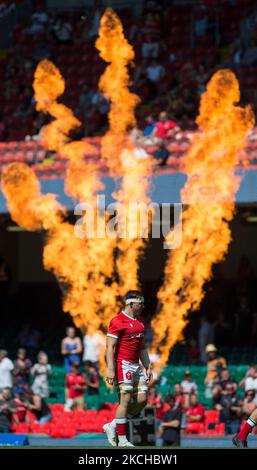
[
  {"x": 121, "y": 426},
  {"x": 247, "y": 428}
]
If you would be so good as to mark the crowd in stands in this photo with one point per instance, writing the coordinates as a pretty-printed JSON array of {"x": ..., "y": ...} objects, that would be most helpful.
[
  {"x": 170, "y": 74},
  {"x": 176, "y": 52},
  {"x": 25, "y": 392}
]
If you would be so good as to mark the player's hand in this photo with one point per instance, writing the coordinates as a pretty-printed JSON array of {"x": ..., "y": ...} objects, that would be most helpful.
[
  {"x": 110, "y": 379},
  {"x": 149, "y": 374}
]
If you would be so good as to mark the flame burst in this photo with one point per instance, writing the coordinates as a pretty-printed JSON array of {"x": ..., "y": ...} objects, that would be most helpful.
[
  {"x": 88, "y": 264},
  {"x": 114, "y": 84},
  {"x": 209, "y": 195},
  {"x": 120, "y": 153}
]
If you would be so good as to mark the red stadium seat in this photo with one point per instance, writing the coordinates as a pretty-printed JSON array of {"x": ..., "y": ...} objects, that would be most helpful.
[{"x": 212, "y": 416}]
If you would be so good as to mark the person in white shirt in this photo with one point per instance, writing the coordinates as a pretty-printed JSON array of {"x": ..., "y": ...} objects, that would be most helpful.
[
  {"x": 249, "y": 381},
  {"x": 187, "y": 384},
  {"x": 6, "y": 368},
  {"x": 155, "y": 72},
  {"x": 92, "y": 342},
  {"x": 41, "y": 373},
  {"x": 39, "y": 21}
]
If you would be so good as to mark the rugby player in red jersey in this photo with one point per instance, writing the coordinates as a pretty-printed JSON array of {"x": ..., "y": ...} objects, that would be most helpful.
[{"x": 125, "y": 355}]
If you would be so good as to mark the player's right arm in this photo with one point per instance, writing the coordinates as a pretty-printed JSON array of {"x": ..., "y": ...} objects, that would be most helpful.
[
  {"x": 113, "y": 335},
  {"x": 110, "y": 349}
]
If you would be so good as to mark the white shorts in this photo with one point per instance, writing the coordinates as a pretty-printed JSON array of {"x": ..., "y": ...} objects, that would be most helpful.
[{"x": 129, "y": 373}]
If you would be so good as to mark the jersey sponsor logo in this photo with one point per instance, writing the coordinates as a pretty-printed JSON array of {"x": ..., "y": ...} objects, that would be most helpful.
[{"x": 136, "y": 335}]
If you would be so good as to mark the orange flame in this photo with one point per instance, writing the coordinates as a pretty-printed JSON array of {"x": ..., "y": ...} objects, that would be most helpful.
[
  {"x": 29, "y": 208},
  {"x": 88, "y": 265},
  {"x": 209, "y": 195},
  {"x": 114, "y": 84},
  {"x": 120, "y": 153},
  {"x": 64, "y": 253}
]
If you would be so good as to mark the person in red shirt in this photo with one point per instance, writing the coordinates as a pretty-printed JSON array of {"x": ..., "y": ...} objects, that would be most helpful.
[
  {"x": 154, "y": 400},
  {"x": 180, "y": 398},
  {"x": 195, "y": 413},
  {"x": 165, "y": 128},
  {"x": 20, "y": 406},
  {"x": 125, "y": 350},
  {"x": 75, "y": 386}
]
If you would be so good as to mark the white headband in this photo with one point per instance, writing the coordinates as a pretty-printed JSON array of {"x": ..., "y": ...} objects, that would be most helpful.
[{"x": 138, "y": 301}]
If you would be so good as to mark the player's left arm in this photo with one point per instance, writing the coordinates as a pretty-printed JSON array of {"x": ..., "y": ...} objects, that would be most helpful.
[{"x": 145, "y": 359}]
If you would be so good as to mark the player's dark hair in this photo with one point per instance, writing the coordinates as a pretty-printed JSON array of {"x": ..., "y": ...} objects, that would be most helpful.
[{"x": 133, "y": 294}]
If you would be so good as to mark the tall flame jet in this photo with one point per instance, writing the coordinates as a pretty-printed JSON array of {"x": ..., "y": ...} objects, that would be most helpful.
[
  {"x": 209, "y": 197},
  {"x": 119, "y": 151},
  {"x": 89, "y": 271}
]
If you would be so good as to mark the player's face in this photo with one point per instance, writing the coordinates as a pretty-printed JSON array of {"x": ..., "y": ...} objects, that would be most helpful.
[{"x": 137, "y": 308}]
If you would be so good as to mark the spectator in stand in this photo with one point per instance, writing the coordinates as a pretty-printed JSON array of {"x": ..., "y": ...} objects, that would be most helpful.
[
  {"x": 41, "y": 372},
  {"x": 150, "y": 47},
  {"x": 230, "y": 408},
  {"x": 150, "y": 126},
  {"x": 75, "y": 387},
  {"x": 20, "y": 415},
  {"x": 170, "y": 427},
  {"x": 196, "y": 412},
  {"x": 62, "y": 30},
  {"x": 39, "y": 407},
  {"x": 93, "y": 342},
  {"x": 193, "y": 351},
  {"x": 224, "y": 378},
  {"x": 154, "y": 400},
  {"x": 155, "y": 72},
  {"x": 219, "y": 387},
  {"x": 249, "y": 404},
  {"x": 6, "y": 369},
  {"x": 7, "y": 408},
  {"x": 215, "y": 364},
  {"x": 188, "y": 386},
  {"x": 71, "y": 348},
  {"x": 91, "y": 379},
  {"x": 181, "y": 399},
  {"x": 249, "y": 381},
  {"x": 165, "y": 128},
  {"x": 39, "y": 21},
  {"x": 205, "y": 336},
  {"x": 21, "y": 371}
]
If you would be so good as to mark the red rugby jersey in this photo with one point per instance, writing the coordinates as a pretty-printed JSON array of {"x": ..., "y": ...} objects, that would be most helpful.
[{"x": 130, "y": 333}]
